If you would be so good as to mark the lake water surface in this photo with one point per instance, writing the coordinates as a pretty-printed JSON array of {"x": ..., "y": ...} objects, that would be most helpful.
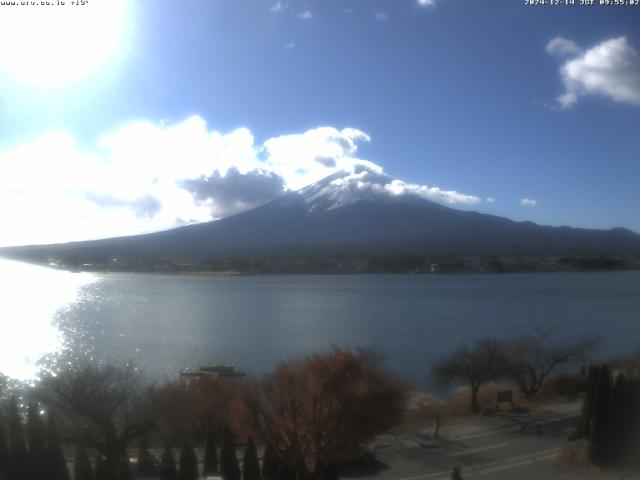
[{"x": 166, "y": 323}]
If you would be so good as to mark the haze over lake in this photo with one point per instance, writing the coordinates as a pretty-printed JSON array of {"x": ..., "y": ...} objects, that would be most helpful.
[{"x": 166, "y": 323}]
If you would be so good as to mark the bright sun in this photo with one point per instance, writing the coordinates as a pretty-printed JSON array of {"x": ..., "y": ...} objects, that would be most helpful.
[{"x": 49, "y": 43}]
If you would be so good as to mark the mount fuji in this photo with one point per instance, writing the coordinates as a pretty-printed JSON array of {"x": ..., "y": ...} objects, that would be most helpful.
[{"x": 356, "y": 211}]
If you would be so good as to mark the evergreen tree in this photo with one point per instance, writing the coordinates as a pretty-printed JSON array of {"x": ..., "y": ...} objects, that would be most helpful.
[
  {"x": 146, "y": 463},
  {"x": 250, "y": 465},
  {"x": 188, "y": 463},
  {"x": 600, "y": 448},
  {"x": 56, "y": 463},
  {"x": 626, "y": 413},
  {"x": 19, "y": 462},
  {"x": 332, "y": 473},
  {"x": 36, "y": 437},
  {"x": 270, "y": 466},
  {"x": 82, "y": 465},
  {"x": 587, "y": 406},
  {"x": 620, "y": 435},
  {"x": 210, "y": 456},
  {"x": 168, "y": 469},
  {"x": 4, "y": 455},
  {"x": 634, "y": 423},
  {"x": 320, "y": 469},
  {"x": 229, "y": 467},
  {"x": 101, "y": 473},
  {"x": 288, "y": 472},
  {"x": 124, "y": 468}
]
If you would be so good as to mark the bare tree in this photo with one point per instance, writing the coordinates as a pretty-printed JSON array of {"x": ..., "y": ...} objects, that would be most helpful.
[
  {"x": 316, "y": 409},
  {"x": 476, "y": 365},
  {"x": 102, "y": 406},
  {"x": 531, "y": 358}
]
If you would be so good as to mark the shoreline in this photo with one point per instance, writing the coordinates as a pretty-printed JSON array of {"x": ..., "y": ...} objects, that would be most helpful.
[
  {"x": 203, "y": 273},
  {"x": 95, "y": 269}
]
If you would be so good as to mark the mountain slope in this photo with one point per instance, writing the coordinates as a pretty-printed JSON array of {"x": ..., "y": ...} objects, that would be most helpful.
[{"x": 361, "y": 211}]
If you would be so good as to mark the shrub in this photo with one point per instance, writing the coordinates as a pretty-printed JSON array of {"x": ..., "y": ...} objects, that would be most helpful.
[
  {"x": 564, "y": 387},
  {"x": 316, "y": 408}
]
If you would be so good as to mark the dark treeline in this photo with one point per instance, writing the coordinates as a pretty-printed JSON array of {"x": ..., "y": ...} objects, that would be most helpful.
[
  {"x": 34, "y": 452},
  {"x": 104, "y": 422},
  {"x": 343, "y": 263}
]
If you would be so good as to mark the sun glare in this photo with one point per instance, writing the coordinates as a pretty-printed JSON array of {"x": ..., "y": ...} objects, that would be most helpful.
[
  {"x": 52, "y": 42},
  {"x": 31, "y": 332}
]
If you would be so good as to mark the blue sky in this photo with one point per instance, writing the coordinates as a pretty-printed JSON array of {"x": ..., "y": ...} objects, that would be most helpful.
[{"x": 491, "y": 100}]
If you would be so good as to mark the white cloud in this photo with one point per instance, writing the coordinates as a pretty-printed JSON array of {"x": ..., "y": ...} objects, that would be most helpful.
[
  {"x": 528, "y": 202},
  {"x": 306, "y": 15},
  {"x": 277, "y": 7},
  {"x": 381, "y": 17},
  {"x": 561, "y": 46},
  {"x": 426, "y": 3},
  {"x": 490, "y": 200},
  {"x": 144, "y": 177},
  {"x": 398, "y": 187},
  {"x": 289, "y": 45},
  {"x": 308, "y": 157},
  {"x": 610, "y": 69}
]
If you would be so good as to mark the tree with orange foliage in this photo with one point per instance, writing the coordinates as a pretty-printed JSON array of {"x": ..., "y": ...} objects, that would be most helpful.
[
  {"x": 197, "y": 407},
  {"x": 318, "y": 410}
]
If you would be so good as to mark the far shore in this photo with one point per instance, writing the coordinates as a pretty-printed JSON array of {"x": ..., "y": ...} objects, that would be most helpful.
[
  {"x": 211, "y": 273},
  {"x": 343, "y": 265}
]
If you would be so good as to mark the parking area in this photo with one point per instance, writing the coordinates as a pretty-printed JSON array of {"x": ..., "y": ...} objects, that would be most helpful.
[{"x": 503, "y": 445}]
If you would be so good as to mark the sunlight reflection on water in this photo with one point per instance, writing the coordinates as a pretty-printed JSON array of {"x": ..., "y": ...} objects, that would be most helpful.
[{"x": 30, "y": 298}]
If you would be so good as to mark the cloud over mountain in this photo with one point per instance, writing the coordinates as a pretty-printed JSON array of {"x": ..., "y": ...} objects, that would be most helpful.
[
  {"x": 145, "y": 176},
  {"x": 235, "y": 192},
  {"x": 145, "y": 206},
  {"x": 366, "y": 181}
]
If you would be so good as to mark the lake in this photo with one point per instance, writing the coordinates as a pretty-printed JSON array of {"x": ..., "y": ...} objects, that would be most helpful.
[{"x": 165, "y": 323}]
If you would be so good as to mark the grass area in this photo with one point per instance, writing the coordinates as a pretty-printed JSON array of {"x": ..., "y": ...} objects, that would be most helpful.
[{"x": 560, "y": 389}]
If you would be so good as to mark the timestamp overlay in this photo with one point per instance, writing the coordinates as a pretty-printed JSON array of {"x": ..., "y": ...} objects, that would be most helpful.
[
  {"x": 46, "y": 3},
  {"x": 582, "y": 3}
]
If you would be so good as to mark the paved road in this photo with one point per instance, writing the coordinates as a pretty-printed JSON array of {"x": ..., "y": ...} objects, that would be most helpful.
[{"x": 503, "y": 446}]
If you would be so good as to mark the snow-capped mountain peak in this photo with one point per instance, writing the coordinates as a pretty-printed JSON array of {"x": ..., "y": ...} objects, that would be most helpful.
[
  {"x": 367, "y": 182},
  {"x": 360, "y": 183}
]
